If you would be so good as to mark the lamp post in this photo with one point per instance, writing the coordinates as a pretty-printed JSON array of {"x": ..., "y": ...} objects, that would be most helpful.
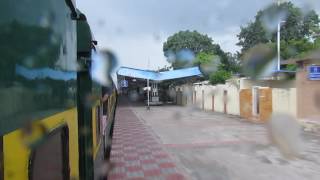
[
  {"x": 148, "y": 94},
  {"x": 148, "y": 89},
  {"x": 279, "y": 39},
  {"x": 278, "y": 45}
]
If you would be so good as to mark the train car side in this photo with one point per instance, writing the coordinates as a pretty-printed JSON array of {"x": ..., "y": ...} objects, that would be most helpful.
[{"x": 54, "y": 122}]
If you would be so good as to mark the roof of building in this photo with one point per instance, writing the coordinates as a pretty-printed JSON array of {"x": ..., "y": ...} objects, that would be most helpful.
[
  {"x": 312, "y": 57},
  {"x": 159, "y": 76}
]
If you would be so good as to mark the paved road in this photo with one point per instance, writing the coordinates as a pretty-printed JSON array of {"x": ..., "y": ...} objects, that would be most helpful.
[{"x": 221, "y": 147}]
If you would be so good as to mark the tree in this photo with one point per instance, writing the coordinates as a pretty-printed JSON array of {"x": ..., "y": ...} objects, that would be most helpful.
[
  {"x": 208, "y": 63},
  {"x": 295, "y": 48},
  {"x": 182, "y": 48},
  {"x": 191, "y": 40},
  {"x": 317, "y": 43},
  {"x": 234, "y": 65},
  {"x": 204, "y": 58},
  {"x": 251, "y": 35},
  {"x": 219, "y": 77},
  {"x": 296, "y": 31}
]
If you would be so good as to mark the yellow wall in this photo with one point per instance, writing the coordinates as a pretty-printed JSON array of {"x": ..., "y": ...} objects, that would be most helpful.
[
  {"x": 16, "y": 154},
  {"x": 96, "y": 140}
]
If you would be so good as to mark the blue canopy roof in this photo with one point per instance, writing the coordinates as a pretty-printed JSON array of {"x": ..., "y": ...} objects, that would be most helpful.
[{"x": 159, "y": 76}]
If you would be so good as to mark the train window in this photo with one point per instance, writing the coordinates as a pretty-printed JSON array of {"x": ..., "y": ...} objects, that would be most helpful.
[
  {"x": 1, "y": 159},
  {"x": 55, "y": 150}
]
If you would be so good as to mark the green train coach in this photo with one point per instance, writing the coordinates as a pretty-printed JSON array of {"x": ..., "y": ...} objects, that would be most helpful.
[{"x": 57, "y": 98}]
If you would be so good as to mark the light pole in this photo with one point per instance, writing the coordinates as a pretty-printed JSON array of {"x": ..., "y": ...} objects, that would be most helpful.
[
  {"x": 148, "y": 95},
  {"x": 148, "y": 90},
  {"x": 278, "y": 44},
  {"x": 279, "y": 39}
]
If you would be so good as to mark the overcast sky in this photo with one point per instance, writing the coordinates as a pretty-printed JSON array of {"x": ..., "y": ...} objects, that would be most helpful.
[{"x": 136, "y": 29}]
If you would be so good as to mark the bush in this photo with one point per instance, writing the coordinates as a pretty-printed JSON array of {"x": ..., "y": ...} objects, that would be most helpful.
[{"x": 219, "y": 77}]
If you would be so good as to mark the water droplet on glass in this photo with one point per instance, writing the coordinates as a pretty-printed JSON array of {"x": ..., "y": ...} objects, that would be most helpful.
[
  {"x": 285, "y": 133},
  {"x": 133, "y": 95},
  {"x": 44, "y": 21},
  {"x": 259, "y": 61},
  {"x": 211, "y": 66}
]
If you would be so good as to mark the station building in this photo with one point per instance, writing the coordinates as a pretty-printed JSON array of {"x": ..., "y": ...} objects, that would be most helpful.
[{"x": 134, "y": 83}]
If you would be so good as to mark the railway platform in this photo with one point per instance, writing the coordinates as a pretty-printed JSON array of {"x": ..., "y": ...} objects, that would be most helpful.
[{"x": 136, "y": 152}]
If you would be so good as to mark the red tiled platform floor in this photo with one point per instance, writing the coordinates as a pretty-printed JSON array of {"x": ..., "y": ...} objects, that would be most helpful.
[{"x": 136, "y": 153}]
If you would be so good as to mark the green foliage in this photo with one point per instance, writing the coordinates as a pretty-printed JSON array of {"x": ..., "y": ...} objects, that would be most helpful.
[
  {"x": 234, "y": 63},
  {"x": 251, "y": 35},
  {"x": 204, "y": 58},
  {"x": 317, "y": 43},
  {"x": 191, "y": 40},
  {"x": 311, "y": 24},
  {"x": 208, "y": 63},
  {"x": 178, "y": 64},
  {"x": 296, "y": 48},
  {"x": 219, "y": 77},
  {"x": 291, "y": 67},
  {"x": 194, "y": 42},
  {"x": 295, "y": 32}
]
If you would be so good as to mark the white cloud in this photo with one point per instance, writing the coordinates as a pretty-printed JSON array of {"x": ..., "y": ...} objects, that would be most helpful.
[
  {"x": 227, "y": 39},
  {"x": 136, "y": 29},
  {"x": 135, "y": 51}
]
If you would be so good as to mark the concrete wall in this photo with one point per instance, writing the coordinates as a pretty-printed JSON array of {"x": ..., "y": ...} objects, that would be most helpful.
[
  {"x": 208, "y": 93},
  {"x": 203, "y": 95},
  {"x": 275, "y": 96},
  {"x": 184, "y": 95},
  {"x": 197, "y": 95},
  {"x": 179, "y": 97},
  {"x": 284, "y": 94},
  {"x": 246, "y": 83},
  {"x": 265, "y": 104},
  {"x": 232, "y": 99},
  {"x": 284, "y": 100},
  {"x": 219, "y": 100}
]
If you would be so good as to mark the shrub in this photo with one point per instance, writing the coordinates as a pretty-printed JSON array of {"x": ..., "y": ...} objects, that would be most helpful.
[{"x": 219, "y": 77}]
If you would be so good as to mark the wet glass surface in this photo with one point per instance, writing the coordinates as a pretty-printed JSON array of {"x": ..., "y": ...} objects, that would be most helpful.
[
  {"x": 38, "y": 61},
  {"x": 250, "y": 110}
]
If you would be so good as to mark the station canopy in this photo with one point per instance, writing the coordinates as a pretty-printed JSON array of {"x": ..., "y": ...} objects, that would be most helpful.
[{"x": 159, "y": 76}]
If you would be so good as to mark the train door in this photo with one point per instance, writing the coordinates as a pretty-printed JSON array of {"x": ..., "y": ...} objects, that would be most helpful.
[{"x": 50, "y": 159}]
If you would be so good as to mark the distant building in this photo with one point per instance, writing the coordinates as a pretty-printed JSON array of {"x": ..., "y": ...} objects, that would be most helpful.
[
  {"x": 133, "y": 82},
  {"x": 308, "y": 86},
  {"x": 257, "y": 99}
]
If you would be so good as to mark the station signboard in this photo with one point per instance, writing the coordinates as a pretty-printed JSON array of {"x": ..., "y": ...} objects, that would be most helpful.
[
  {"x": 314, "y": 72},
  {"x": 124, "y": 83}
]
